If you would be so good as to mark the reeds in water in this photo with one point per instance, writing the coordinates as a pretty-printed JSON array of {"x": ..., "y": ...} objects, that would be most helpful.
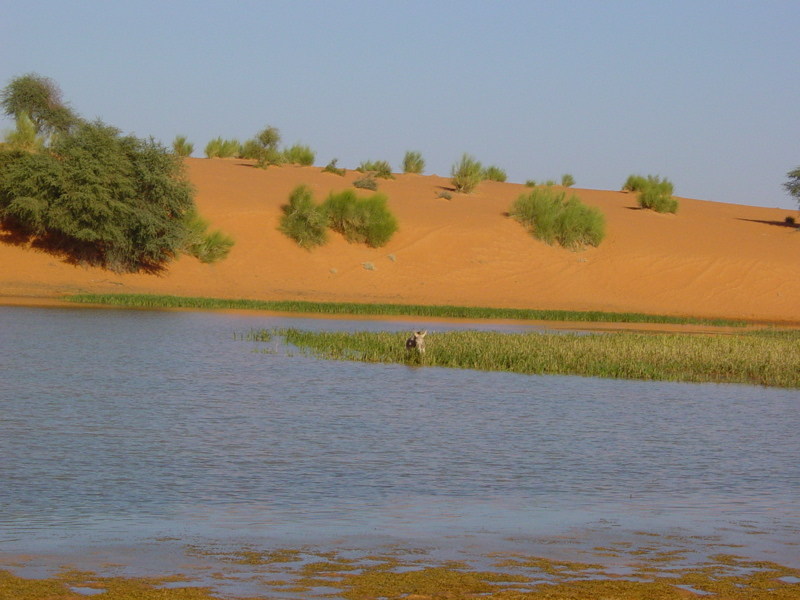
[{"x": 767, "y": 358}]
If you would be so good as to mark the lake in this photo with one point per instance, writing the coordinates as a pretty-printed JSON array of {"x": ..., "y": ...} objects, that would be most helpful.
[{"x": 131, "y": 436}]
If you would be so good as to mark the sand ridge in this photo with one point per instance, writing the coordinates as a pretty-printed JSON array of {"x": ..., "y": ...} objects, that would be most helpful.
[{"x": 710, "y": 259}]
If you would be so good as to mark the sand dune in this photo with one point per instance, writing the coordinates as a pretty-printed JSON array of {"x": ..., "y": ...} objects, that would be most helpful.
[{"x": 711, "y": 259}]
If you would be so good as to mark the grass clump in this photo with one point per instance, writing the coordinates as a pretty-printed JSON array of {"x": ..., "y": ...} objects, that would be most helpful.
[
  {"x": 303, "y": 220},
  {"x": 413, "y": 163},
  {"x": 361, "y": 220},
  {"x": 181, "y": 146},
  {"x": 332, "y": 168},
  {"x": 634, "y": 183},
  {"x": 652, "y": 192},
  {"x": 494, "y": 173},
  {"x": 567, "y": 180},
  {"x": 466, "y": 174},
  {"x": 207, "y": 247},
  {"x": 368, "y": 182},
  {"x": 299, "y": 154},
  {"x": 377, "y": 168},
  {"x": 551, "y": 217},
  {"x": 222, "y": 148}
]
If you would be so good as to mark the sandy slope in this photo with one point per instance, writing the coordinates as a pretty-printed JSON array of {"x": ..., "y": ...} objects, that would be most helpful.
[{"x": 711, "y": 259}]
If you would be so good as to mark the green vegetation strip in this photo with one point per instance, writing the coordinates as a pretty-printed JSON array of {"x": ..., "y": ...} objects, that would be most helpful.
[
  {"x": 411, "y": 310},
  {"x": 765, "y": 357}
]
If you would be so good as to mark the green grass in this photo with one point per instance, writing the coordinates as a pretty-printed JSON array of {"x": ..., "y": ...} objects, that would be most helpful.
[
  {"x": 332, "y": 168},
  {"x": 411, "y": 310},
  {"x": 376, "y": 168},
  {"x": 551, "y": 217},
  {"x": 494, "y": 173},
  {"x": 299, "y": 154},
  {"x": 207, "y": 247},
  {"x": 413, "y": 162},
  {"x": 181, "y": 146},
  {"x": 567, "y": 180},
  {"x": 764, "y": 358},
  {"x": 466, "y": 174}
]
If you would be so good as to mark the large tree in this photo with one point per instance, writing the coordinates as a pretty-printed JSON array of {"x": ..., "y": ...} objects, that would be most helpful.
[
  {"x": 99, "y": 198},
  {"x": 38, "y": 98}
]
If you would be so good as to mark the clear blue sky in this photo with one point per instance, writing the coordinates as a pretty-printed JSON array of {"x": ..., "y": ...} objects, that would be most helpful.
[{"x": 706, "y": 93}]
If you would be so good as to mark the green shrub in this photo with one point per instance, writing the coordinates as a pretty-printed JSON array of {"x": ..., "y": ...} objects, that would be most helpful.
[
  {"x": 657, "y": 195},
  {"x": 494, "y": 174},
  {"x": 263, "y": 148},
  {"x": 790, "y": 221},
  {"x": 304, "y": 221},
  {"x": 445, "y": 194},
  {"x": 567, "y": 180},
  {"x": 207, "y": 247},
  {"x": 466, "y": 174},
  {"x": 361, "y": 220},
  {"x": 251, "y": 150},
  {"x": 367, "y": 182},
  {"x": 220, "y": 148},
  {"x": 550, "y": 217},
  {"x": 331, "y": 168},
  {"x": 530, "y": 183},
  {"x": 182, "y": 147},
  {"x": 413, "y": 163},
  {"x": 376, "y": 168},
  {"x": 98, "y": 198},
  {"x": 634, "y": 183},
  {"x": 299, "y": 154}
]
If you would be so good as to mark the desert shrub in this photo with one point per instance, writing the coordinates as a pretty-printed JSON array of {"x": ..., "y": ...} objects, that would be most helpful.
[
  {"x": 792, "y": 184},
  {"x": 494, "y": 173},
  {"x": 634, "y": 183},
  {"x": 263, "y": 148},
  {"x": 530, "y": 183},
  {"x": 181, "y": 146},
  {"x": 299, "y": 154},
  {"x": 362, "y": 220},
  {"x": 377, "y": 168},
  {"x": 367, "y": 182},
  {"x": 791, "y": 221},
  {"x": 98, "y": 198},
  {"x": 549, "y": 182},
  {"x": 303, "y": 220},
  {"x": 413, "y": 163},
  {"x": 332, "y": 168},
  {"x": 551, "y": 217},
  {"x": 39, "y": 98},
  {"x": 251, "y": 149},
  {"x": 567, "y": 180},
  {"x": 657, "y": 195},
  {"x": 221, "y": 148},
  {"x": 466, "y": 174},
  {"x": 445, "y": 194},
  {"x": 207, "y": 247}
]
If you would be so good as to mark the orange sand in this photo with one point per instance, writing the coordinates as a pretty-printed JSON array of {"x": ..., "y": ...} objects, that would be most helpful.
[{"x": 711, "y": 259}]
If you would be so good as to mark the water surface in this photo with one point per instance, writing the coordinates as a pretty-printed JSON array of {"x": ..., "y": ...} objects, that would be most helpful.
[{"x": 119, "y": 428}]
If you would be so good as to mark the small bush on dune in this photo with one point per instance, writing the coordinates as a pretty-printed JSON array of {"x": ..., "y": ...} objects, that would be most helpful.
[
  {"x": 634, "y": 183},
  {"x": 362, "y": 220},
  {"x": 494, "y": 173},
  {"x": 207, "y": 247},
  {"x": 466, "y": 174},
  {"x": 530, "y": 183},
  {"x": 567, "y": 180},
  {"x": 367, "y": 182},
  {"x": 413, "y": 163},
  {"x": 299, "y": 154},
  {"x": 657, "y": 195},
  {"x": 332, "y": 168},
  {"x": 376, "y": 168},
  {"x": 551, "y": 217},
  {"x": 304, "y": 221},
  {"x": 221, "y": 148},
  {"x": 181, "y": 146}
]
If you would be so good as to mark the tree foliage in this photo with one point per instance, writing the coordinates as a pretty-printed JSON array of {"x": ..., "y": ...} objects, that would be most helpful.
[
  {"x": 39, "y": 98},
  {"x": 793, "y": 184},
  {"x": 98, "y": 197}
]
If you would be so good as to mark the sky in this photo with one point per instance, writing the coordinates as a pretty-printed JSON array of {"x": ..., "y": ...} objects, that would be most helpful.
[{"x": 705, "y": 93}]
